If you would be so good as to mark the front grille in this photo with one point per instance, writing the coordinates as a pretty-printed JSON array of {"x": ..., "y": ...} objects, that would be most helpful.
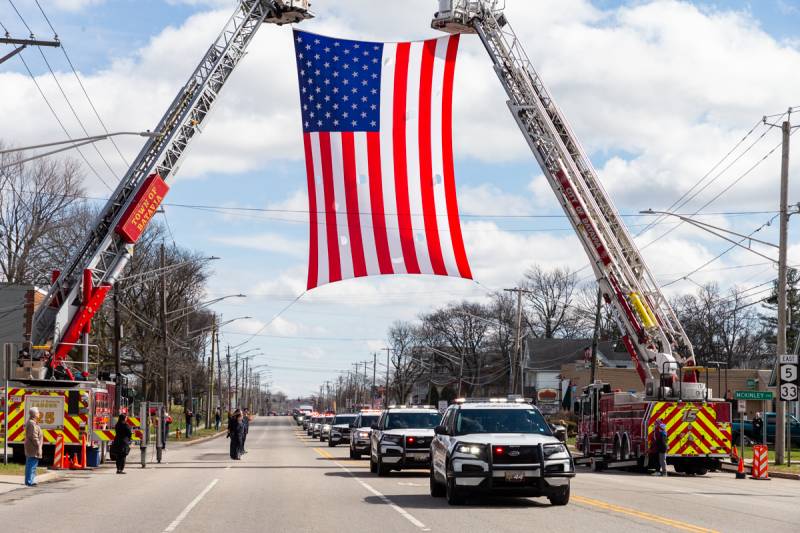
[
  {"x": 420, "y": 443},
  {"x": 515, "y": 455}
]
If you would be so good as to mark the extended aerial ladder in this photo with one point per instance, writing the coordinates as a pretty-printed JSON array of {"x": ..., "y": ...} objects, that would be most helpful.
[
  {"x": 650, "y": 329},
  {"x": 77, "y": 292}
]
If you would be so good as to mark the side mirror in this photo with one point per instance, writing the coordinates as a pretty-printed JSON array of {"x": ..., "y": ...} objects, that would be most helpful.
[
  {"x": 440, "y": 430},
  {"x": 374, "y": 426}
]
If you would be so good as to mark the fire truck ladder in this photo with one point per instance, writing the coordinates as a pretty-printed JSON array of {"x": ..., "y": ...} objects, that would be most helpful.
[
  {"x": 651, "y": 331},
  {"x": 78, "y": 291}
]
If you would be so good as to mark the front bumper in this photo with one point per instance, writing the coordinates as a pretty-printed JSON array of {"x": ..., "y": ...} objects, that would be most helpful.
[
  {"x": 482, "y": 476},
  {"x": 399, "y": 457},
  {"x": 339, "y": 437}
]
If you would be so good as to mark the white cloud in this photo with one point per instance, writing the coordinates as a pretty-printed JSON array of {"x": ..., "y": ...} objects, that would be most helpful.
[
  {"x": 489, "y": 199},
  {"x": 76, "y": 5}
]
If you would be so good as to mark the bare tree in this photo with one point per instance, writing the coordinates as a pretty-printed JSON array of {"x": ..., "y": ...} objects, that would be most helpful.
[
  {"x": 38, "y": 200},
  {"x": 405, "y": 359},
  {"x": 551, "y": 299}
]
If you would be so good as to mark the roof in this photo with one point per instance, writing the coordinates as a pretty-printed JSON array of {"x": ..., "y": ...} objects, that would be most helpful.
[
  {"x": 551, "y": 354},
  {"x": 495, "y": 405}
]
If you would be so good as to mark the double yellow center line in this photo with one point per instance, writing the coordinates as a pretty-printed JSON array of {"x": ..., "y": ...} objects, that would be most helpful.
[{"x": 677, "y": 524}]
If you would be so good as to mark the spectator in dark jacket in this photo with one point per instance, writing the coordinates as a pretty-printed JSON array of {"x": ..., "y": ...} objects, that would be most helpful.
[
  {"x": 236, "y": 433},
  {"x": 121, "y": 446},
  {"x": 246, "y": 425},
  {"x": 662, "y": 441}
]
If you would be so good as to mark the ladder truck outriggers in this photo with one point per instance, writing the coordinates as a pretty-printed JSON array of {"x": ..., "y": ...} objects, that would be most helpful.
[
  {"x": 61, "y": 324},
  {"x": 615, "y": 427}
]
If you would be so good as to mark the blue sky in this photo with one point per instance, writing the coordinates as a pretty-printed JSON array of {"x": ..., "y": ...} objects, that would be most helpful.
[{"x": 657, "y": 91}]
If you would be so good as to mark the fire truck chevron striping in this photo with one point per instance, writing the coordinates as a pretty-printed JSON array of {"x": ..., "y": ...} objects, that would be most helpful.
[{"x": 692, "y": 429}]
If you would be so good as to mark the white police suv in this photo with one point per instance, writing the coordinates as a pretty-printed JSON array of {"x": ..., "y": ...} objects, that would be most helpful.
[
  {"x": 498, "y": 446},
  {"x": 402, "y": 438}
]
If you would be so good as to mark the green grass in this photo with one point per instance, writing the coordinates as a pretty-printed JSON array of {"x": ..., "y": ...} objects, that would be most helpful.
[
  {"x": 14, "y": 469},
  {"x": 795, "y": 468}
]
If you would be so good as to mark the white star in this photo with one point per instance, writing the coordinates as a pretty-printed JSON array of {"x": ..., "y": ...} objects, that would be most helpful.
[
  {"x": 364, "y": 82},
  {"x": 375, "y": 60},
  {"x": 327, "y": 98},
  {"x": 346, "y": 66},
  {"x": 335, "y": 90},
  {"x": 311, "y": 98},
  {"x": 335, "y": 122},
  {"x": 345, "y": 115},
  {"x": 363, "y": 115},
  {"x": 308, "y": 47},
  {"x": 302, "y": 72},
  {"x": 355, "y": 60},
  {"x": 335, "y": 107},
  {"x": 373, "y": 123},
  {"x": 327, "y": 65},
  {"x": 318, "y": 90},
  {"x": 303, "y": 90},
  {"x": 327, "y": 49},
  {"x": 345, "y": 98},
  {"x": 316, "y": 72},
  {"x": 366, "y": 53},
  {"x": 374, "y": 76},
  {"x": 308, "y": 64},
  {"x": 346, "y": 82},
  {"x": 306, "y": 124},
  {"x": 354, "y": 123},
  {"x": 346, "y": 51},
  {"x": 336, "y": 44},
  {"x": 319, "y": 123},
  {"x": 335, "y": 74},
  {"x": 316, "y": 56},
  {"x": 299, "y": 39},
  {"x": 364, "y": 99},
  {"x": 305, "y": 107},
  {"x": 311, "y": 114},
  {"x": 327, "y": 81},
  {"x": 300, "y": 55},
  {"x": 316, "y": 41},
  {"x": 376, "y": 47},
  {"x": 356, "y": 46},
  {"x": 374, "y": 91},
  {"x": 336, "y": 58},
  {"x": 327, "y": 115},
  {"x": 319, "y": 106},
  {"x": 373, "y": 107},
  {"x": 354, "y": 106},
  {"x": 355, "y": 74}
]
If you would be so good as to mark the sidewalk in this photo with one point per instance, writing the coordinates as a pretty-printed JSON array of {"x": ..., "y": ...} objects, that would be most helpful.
[{"x": 9, "y": 483}]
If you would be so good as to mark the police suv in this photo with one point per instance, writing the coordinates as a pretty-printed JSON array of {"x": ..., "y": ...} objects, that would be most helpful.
[
  {"x": 498, "y": 446},
  {"x": 340, "y": 429},
  {"x": 402, "y": 438},
  {"x": 361, "y": 431}
]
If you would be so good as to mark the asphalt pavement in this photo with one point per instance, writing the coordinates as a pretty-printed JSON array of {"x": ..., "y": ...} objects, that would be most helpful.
[{"x": 291, "y": 483}]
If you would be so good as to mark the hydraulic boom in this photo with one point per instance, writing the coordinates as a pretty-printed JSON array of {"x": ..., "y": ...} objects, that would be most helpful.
[
  {"x": 78, "y": 290},
  {"x": 650, "y": 329}
]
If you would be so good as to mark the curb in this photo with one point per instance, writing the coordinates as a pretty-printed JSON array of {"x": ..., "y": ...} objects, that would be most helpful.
[
  {"x": 203, "y": 439},
  {"x": 779, "y": 475}
]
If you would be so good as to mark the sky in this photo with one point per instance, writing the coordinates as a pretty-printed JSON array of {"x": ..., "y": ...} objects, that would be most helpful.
[{"x": 658, "y": 92}]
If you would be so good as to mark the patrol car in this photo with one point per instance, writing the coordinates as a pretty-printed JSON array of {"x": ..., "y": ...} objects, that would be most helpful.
[
  {"x": 402, "y": 438},
  {"x": 340, "y": 429},
  {"x": 361, "y": 431},
  {"x": 498, "y": 446}
]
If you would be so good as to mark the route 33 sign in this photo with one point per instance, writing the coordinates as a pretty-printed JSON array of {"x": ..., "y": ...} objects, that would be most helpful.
[{"x": 788, "y": 378}]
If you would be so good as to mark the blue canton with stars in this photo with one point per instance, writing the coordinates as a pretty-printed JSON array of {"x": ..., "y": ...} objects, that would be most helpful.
[{"x": 340, "y": 83}]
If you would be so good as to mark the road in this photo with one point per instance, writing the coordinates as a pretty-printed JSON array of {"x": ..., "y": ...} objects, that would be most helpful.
[{"x": 287, "y": 482}]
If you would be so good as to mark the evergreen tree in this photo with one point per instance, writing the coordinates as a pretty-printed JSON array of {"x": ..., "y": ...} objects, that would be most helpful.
[{"x": 770, "y": 319}]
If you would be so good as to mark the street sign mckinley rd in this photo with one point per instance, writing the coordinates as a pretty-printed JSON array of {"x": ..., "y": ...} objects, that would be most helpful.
[{"x": 752, "y": 395}]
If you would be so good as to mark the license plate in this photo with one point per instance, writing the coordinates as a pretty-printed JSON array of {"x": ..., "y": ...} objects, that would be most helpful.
[
  {"x": 515, "y": 477},
  {"x": 419, "y": 456}
]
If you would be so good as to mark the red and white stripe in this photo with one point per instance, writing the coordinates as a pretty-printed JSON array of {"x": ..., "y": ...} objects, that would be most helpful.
[{"x": 385, "y": 202}]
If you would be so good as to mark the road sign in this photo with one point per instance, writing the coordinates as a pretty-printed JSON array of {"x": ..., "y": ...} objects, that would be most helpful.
[
  {"x": 788, "y": 381},
  {"x": 751, "y": 383},
  {"x": 752, "y": 395},
  {"x": 741, "y": 406}
]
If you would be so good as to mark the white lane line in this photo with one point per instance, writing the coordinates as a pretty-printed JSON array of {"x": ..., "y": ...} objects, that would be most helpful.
[
  {"x": 175, "y": 523},
  {"x": 405, "y": 514}
]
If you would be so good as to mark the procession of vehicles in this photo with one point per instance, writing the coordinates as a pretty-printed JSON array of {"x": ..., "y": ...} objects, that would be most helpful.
[{"x": 498, "y": 446}]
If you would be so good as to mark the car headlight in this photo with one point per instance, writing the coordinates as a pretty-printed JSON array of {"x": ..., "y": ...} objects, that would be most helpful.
[
  {"x": 553, "y": 452},
  {"x": 363, "y": 435},
  {"x": 466, "y": 448},
  {"x": 326, "y": 426},
  {"x": 393, "y": 439}
]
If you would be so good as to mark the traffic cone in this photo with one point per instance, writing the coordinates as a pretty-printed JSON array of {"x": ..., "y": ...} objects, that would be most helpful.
[
  {"x": 740, "y": 472},
  {"x": 75, "y": 465}
]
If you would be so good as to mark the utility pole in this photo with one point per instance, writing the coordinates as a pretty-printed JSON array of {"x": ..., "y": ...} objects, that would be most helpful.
[
  {"x": 780, "y": 412},
  {"x": 461, "y": 374},
  {"x": 238, "y": 401},
  {"x": 211, "y": 371},
  {"x": 372, "y": 391},
  {"x": 228, "y": 357},
  {"x": 23, "y": 43},
  {"x": 431, "y": 362},
  {"x": 165, "y": 343},
  {"x": 219, "y": 376},
  {"x": 596, "y": 334},
  {"x": 115, "y": 349},
  {"x": 386, "y": 392},
  {"x": 516, "y": 363}
]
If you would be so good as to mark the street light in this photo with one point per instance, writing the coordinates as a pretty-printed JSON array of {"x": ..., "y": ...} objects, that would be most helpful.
[
  {"x": 710, "y": 228},
  {"x": 73, "y": 143}
]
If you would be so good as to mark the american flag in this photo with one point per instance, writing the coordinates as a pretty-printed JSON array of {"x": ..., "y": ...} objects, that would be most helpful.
[{"x": 377, "y": 130}]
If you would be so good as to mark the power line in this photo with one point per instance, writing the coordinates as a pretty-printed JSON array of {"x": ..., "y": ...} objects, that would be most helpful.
[
  {"x": 80, "y": 83},
  {"x": 675, "y": 204}
]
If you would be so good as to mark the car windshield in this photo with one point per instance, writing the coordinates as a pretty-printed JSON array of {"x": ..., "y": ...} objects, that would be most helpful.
[
  {"x": 344, "y": 419},
  {"x": 367, "y": 421},
  {"x": 501, "y": 421},
  {"x": 412, "y": 420},
  {"x": 327, "y": 420}
]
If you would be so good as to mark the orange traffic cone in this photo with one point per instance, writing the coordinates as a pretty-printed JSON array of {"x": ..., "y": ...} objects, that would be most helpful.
[
  {"x": 75, "y": 465},
  {"x": 740, "y": 472}
]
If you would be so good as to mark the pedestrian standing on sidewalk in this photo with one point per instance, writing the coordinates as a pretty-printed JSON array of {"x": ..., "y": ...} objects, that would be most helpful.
[
  {"x": 661, "y": 439},
  {"x": 217, "y": 417},
  {"x": 189, "y": 416},
  {"x": 121, "y": 446},
  {"x": 33, "y": 446},
  {"x": 246, "y": 428},
  {"x": 235, "y": 431},
  {"x": 197, "y": 420}
]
